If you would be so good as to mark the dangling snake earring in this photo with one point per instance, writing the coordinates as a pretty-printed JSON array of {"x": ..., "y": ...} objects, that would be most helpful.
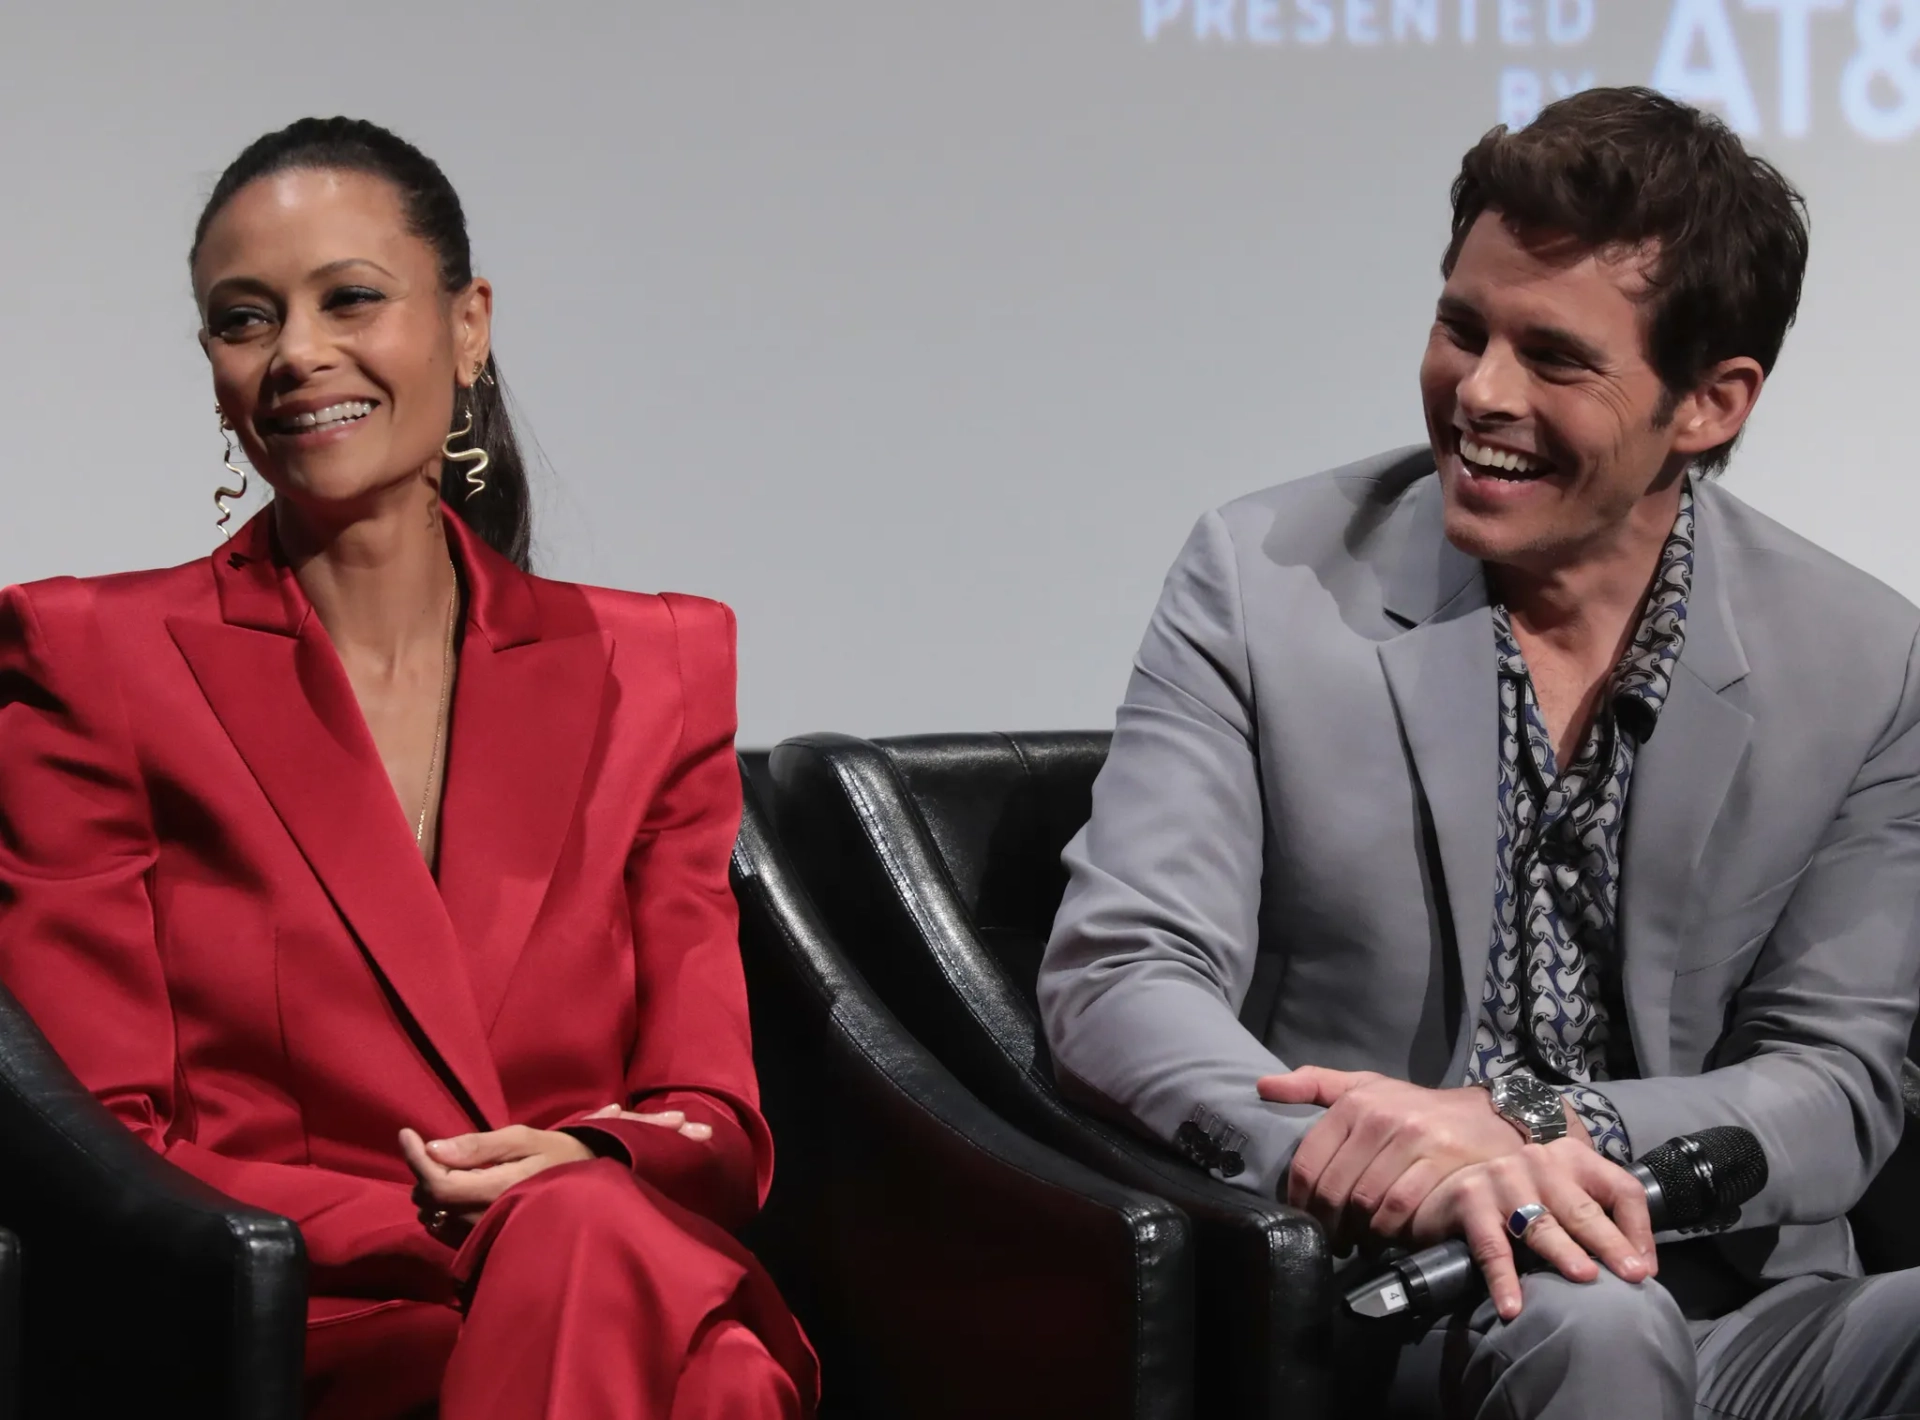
[
  {"x": 222, "y": 493},
  {"x": 474, "y": 455}
]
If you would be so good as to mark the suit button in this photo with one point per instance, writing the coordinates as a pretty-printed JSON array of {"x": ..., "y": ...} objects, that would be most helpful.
[{"x": 1195, "y": 1144}]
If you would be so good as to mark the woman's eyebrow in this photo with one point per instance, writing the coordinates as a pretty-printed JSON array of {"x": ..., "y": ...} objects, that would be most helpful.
[{"x": 333, "y": 268}]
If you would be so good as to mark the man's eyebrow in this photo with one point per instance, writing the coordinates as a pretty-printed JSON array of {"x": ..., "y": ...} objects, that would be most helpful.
[
  {"x": 1453, "y": 308},
  {"x": 1582, "y": 350}
]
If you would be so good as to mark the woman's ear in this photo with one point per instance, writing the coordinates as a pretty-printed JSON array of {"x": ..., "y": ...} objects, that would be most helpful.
[{"x": 473, "y": 328}]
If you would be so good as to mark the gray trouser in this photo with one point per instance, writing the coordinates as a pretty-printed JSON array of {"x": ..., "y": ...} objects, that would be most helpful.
[{"x": 1808, "y": 1349}]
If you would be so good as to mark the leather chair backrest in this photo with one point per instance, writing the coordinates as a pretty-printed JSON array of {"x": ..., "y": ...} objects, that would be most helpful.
[
  {"x": 1000, "y": 808},
  {"x": 754, "y": 776}
]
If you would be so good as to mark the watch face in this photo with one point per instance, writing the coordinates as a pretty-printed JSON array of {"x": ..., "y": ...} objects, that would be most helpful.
[{"x": 1524, "y": 1098}]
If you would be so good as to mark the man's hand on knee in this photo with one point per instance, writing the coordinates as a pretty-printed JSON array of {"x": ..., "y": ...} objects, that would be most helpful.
[
  {"x": 1383, "y": 1146},
  {"x": 1594, "y": 1208}
]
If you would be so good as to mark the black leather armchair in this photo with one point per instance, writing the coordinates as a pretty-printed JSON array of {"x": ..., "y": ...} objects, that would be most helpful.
[
  {"x": 943, "y": 1263},
  {"x": 939, "y": 855},
  {"x": 935, "y": 861},
  {"x": 148, "y": 1292}
]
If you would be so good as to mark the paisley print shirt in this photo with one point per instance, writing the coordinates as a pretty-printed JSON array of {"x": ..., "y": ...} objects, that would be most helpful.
[{"x": 1552, "y": 986}]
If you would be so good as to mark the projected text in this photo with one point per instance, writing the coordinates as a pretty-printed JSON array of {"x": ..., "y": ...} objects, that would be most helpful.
[{"x": 1548, "y": 50}]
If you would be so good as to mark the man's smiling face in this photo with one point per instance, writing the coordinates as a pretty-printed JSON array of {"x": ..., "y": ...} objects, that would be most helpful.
[{"x": 1548, "y": 422}]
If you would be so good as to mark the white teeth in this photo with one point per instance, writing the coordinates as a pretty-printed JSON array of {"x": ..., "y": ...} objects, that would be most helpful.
[
  {"x": 333, "y": 414},
  {"x": 1502, "y": 459}
]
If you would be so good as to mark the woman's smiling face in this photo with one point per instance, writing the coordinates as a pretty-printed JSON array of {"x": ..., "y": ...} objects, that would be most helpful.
[{"x": 336, "y": 350}]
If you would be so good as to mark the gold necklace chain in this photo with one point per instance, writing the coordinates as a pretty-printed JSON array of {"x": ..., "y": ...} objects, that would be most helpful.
[{"x": 440, "y": 725}]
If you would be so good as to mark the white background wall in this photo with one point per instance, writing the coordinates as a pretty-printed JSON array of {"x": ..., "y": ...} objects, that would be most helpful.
[{"x": 918, "y": 330}]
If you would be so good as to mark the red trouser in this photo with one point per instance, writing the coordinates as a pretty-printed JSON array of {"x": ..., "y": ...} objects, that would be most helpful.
[{"x": 593, "y": 1299}]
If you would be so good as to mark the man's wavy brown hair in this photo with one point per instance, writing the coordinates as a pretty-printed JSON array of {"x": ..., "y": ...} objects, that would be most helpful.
[{"x": 1629, "y": 169}]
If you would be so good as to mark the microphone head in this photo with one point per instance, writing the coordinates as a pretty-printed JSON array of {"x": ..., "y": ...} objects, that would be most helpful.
[{"x": 1705, "y": 1177}]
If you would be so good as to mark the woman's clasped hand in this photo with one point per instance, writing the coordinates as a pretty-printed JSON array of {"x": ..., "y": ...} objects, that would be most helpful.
[{"x": 459, "y": 1178}]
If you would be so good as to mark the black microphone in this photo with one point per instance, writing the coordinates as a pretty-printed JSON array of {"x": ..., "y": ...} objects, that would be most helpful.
[{"x": 1695, "y": 1184}]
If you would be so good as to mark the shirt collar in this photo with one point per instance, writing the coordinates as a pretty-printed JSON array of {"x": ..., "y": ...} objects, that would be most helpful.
[{"x": 1645, "y": 672}]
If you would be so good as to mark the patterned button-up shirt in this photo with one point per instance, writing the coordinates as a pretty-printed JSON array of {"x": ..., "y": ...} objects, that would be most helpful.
[{"x": 1553, "y": 981}]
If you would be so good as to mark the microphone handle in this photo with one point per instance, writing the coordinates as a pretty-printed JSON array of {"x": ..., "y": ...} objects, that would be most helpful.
[
  {"x": 1656, "y": 1195},
  {"x": 1438, "y": 1276}
]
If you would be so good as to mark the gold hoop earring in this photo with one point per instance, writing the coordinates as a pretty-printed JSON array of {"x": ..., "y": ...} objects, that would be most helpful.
[
  {"x": 474, "y": 455},
  {"x": 222, "y": 493}
]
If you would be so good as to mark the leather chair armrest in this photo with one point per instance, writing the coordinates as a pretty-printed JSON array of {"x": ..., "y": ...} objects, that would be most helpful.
[
  {"x": 9, "y": 1325},
  {"x": 1886, "y": 1228},
  {"x": 944, "y": 1263},
  {"x": 147, "y": 1289},
  {"x": 1264, "y": 1277}
]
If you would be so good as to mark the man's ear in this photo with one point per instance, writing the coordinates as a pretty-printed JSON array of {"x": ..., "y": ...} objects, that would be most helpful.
[{"x": 1718, "y": 406}]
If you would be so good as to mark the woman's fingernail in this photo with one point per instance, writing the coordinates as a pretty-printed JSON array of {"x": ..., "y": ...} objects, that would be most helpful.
[{"x": 437, "y": 1146}]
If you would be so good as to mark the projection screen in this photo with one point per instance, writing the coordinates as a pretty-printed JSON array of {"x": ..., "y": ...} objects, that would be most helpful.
[{"x": 919, "y": 332}]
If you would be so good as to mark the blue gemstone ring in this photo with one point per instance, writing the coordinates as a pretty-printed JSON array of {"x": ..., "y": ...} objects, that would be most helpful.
[{"x": 1523, "y": 1218}]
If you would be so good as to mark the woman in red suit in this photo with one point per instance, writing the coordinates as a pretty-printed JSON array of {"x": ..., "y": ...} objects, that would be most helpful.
[{"x": 381, "y": 884}]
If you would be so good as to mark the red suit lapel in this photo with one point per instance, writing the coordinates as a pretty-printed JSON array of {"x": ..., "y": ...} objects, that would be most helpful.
[{"x": 527, "y": 710}]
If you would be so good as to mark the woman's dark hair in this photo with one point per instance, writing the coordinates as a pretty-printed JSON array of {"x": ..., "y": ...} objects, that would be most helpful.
[
  {"x": 1629, "y": 167},
  {"x": 502, "y": 515}
]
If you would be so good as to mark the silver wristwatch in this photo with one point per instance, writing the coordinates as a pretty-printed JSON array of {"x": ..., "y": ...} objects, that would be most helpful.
[{"x": 1535, "y": 1107}]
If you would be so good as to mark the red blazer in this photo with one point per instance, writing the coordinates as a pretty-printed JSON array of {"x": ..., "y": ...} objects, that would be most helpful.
[{"x": 211, "y": 901}]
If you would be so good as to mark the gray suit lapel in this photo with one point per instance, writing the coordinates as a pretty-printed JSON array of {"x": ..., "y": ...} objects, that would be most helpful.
[
  {"x": 1442, "y": 677},
  {"x": 1680, "y": 781}
]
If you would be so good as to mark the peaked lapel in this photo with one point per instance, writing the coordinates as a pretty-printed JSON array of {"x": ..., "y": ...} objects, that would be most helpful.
[
  {"x": 1680, "y": 780},
  {"x": 274, "y": 681},
  {"x": 1443, "y": 679},
  {"x": 527, "y": 711}
]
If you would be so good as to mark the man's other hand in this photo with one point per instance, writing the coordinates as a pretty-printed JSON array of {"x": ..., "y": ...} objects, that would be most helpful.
[{"x": 1383, "y": 1146}]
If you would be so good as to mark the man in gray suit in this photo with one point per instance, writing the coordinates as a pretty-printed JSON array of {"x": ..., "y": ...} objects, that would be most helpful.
[{"x": 1482, "y": 814}]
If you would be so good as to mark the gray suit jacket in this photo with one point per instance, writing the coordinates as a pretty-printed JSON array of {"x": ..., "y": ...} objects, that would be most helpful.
[{"x": 1291, "y": 854}]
